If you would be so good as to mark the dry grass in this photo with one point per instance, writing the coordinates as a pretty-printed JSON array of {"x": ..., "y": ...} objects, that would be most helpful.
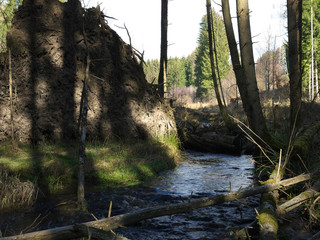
[{"x": 15, "y": 193}]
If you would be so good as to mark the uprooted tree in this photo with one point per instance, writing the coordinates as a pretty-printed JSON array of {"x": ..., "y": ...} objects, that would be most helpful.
[{"x": 47, "y": 64}]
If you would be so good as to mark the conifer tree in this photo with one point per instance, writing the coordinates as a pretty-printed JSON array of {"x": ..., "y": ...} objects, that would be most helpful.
[{"x": 203, "y": 76}]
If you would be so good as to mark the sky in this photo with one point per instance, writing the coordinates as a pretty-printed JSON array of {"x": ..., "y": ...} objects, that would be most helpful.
[{"x": 142, "y": 19}]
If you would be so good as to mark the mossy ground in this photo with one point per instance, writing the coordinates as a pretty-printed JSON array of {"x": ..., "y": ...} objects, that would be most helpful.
[{"x": 52, "y": 167}]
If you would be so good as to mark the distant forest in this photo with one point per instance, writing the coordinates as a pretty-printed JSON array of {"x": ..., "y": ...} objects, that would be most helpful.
[
  {"x": 192, "y": 75},
  {"x": 194, "y": 70}
]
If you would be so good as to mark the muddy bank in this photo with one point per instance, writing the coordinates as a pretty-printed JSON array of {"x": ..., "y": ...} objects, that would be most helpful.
[{"x": 203, "y": 130}]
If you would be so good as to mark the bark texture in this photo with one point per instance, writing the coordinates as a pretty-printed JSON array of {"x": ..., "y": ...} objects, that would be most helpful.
[
  {"x": 223, "y": 111},
  {"x": 164, "y": 48},
  {"x": 297, "y": 201},
  {"x": 245, "y": 71},
  {"x": 255, "y": 116},
  {"x": 268, "y": 219},
  {"x": 294, "y": 9}
]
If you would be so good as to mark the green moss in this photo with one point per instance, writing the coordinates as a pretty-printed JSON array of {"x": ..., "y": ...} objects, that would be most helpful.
[
  {"x": 269, "y": 198},
  {"x": 300, "y": 145},
  {"x": 266, "y": 216}
]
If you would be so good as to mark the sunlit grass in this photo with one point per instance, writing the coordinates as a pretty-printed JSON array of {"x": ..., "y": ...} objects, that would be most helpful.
[{"x": 53, "y": 167}]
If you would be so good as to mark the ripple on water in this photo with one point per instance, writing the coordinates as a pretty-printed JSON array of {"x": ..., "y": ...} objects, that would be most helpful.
[{"x": 201, "y": 175}]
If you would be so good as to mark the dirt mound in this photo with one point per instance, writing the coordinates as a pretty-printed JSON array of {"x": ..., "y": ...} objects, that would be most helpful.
[{"x": 48, "y": 51}]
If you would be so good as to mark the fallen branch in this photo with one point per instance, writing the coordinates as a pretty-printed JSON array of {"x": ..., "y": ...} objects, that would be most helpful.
[
  {"x": 108, "y": 224},
  {"x": 295, "y": 202},
  {"x": 267, "y": 218}
]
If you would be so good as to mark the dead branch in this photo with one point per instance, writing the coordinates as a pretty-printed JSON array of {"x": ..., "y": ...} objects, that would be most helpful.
[{"x": 300, "y": 199}]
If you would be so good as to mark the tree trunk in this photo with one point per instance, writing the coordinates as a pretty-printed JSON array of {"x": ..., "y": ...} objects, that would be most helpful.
[
  {"x": 312, "y": 54},
  {"x": 255, "y": 116},
  {"x": 267, "y": 218},
  {"x": 227, "y": 120},
  {"x": 237, "y": 68},
  {"x": 164, "y": 47},
  {"x": 107, "y": 224},
  {"x": 294, "y": 9},
  {"x": 317, "y": 82},
  {"x": 216, "y": 60},
  {"x": 11, "y": 97},
  {"x": 82, "y": 147},
  {"x": 245, "y": 71}
]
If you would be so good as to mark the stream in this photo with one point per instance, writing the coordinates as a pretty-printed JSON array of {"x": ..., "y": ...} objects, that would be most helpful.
[{"x": 199, "y": 175}]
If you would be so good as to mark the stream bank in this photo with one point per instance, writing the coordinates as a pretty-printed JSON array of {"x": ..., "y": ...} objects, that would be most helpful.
[{"x": 201, "y": 174}]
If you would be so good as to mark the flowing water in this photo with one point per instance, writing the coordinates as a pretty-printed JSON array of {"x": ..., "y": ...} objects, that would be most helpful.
[{"x": 199, "y": 175}]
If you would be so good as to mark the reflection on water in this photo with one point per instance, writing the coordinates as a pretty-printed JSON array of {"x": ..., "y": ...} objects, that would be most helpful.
[
  {"x": 201, "y": 174},
  {"x": 207, "y": 174}
]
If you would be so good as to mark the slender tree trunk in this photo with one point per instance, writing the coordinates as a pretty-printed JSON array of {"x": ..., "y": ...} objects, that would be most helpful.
[
  {"x": 317, "y": 80},
  {"x": 11, "y": 97},
  {"x": 256, "y": 118},
  {"x": 164, "y": 47},
  {"x": 273, "y": 70},
  {"x": 312, "y": 55},
  {"x": 237, "y": 68},
  {"x": 309, "y": 84},
  {"x": 82, "y": 153},
  {"x": 245, "y": 71},
  {"x": 294, "y": 9},
  {"x": 222, "y": 108},
  {"x": 216, "y": 59}
]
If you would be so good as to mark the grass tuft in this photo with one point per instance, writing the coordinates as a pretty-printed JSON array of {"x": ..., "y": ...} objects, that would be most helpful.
[{"x": 14, "y": 193}]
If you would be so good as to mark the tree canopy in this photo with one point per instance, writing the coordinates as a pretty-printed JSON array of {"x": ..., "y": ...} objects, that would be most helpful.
[
  {"x": 306, "y": 38},
  {"x": 7, "y": 8},
  {"x": 203, "y": 79}
]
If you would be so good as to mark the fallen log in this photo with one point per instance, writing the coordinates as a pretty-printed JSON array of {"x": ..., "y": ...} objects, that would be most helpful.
[
  {"x": 295, "y": 202},
  {"x": 199, "y": 143},
  {"x": 267, "y": 218},
  {"x": 107, "y": 224}
]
